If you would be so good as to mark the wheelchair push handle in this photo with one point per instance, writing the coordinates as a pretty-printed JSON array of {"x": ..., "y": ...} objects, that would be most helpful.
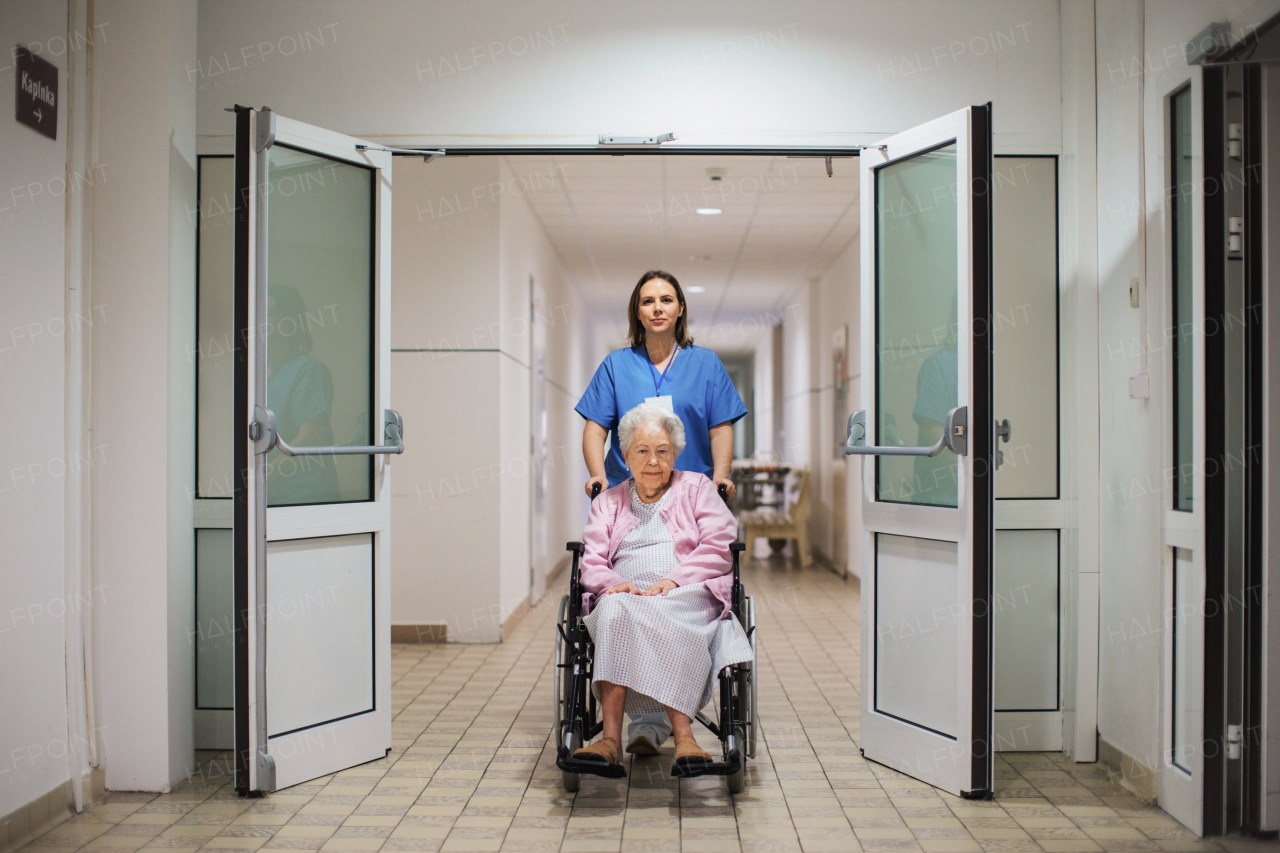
[
  {"x": 724, "y": 492},
  {"x": 595, "y": 490}
]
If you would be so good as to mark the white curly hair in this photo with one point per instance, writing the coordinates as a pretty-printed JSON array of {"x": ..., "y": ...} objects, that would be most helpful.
[{"x": 650, "y": 413}]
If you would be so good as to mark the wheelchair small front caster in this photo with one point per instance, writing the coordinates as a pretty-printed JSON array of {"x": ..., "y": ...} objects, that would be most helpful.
[
  {"x": 571, "y": 781},
  {"x": 738, "y": 779}
]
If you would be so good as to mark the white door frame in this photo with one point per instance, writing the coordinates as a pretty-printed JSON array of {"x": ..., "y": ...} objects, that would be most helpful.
[{"x": 1181, "y": 787}]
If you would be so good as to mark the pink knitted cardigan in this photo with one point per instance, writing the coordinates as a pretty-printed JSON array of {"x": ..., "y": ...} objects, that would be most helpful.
[{"x": 700, "y": 524}]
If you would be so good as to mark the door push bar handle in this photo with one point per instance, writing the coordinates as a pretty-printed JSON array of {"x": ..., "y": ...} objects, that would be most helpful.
[
  {"x": 264, "y": 435},
  {"x": 954, "y": 437}
]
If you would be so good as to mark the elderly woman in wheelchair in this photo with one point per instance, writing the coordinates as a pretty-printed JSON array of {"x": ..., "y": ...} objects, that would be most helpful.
[{"x": 658, "y": 594}]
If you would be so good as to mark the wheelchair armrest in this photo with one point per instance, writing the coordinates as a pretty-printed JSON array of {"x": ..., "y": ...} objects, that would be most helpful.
[
  {"x": 576, "y": 547},
  {"x": 738, "y": 547}
]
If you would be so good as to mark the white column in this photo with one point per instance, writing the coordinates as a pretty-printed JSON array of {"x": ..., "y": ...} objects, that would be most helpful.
[{"x": 143, "y": 390}]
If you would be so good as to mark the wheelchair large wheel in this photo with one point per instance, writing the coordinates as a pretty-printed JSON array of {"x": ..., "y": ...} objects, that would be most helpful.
[
  {"x": 753, "y": 724},
  {"x": 557, "y": 671},
  {"x": 560, "y": 695}
]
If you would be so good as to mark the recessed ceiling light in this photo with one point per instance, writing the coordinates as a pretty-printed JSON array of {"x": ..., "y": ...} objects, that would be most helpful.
[
  {"x": 695, "y": 289},
  {"x": 708, "y": 211},
  {"x": 699, "y": 257}
]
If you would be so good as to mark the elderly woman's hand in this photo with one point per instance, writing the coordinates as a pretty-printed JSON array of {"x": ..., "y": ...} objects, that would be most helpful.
[
  {"x": 625, "y": 586},
  {"x": 662, "y": 587}
]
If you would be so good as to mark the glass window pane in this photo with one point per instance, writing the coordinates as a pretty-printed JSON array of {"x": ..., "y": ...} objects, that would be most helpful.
[
  {"x": 1180, "y": 198},
  {"x": 215, "y": 353},
  {"x": 319, "y": 325},
  {"x": 917, "y": 379},
  {"x": 1025, "y": 325},
  {"x": 1187, "y": 604}
]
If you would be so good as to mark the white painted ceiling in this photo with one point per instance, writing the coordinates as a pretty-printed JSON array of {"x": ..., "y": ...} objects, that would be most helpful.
[{"x": 611, "y": 218}]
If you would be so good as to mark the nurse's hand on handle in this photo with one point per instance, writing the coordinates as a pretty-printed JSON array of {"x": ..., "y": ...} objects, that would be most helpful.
[
  {"x": 726, "y": 484},
  {"x": 722, "y": 456}
]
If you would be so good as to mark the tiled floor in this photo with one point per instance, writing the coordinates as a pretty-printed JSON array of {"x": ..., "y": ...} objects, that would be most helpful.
[{"x": 472, "y": 769}]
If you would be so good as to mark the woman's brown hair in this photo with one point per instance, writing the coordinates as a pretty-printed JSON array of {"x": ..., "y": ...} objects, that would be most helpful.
[{"x": 635, "y": 329}]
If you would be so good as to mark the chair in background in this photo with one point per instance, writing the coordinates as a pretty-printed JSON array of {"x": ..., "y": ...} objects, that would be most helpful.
[{"x": 790, "y": 522}]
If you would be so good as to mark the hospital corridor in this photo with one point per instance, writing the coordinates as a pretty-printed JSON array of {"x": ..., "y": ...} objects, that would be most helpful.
[{"x": 489, "y": 426}]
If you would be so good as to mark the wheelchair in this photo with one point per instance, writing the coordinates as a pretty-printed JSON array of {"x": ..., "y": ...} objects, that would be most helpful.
[{"x": 577, "y": 717}]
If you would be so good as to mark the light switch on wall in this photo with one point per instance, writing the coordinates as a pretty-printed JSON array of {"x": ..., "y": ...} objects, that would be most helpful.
[{"x": 1133, "y": 293}]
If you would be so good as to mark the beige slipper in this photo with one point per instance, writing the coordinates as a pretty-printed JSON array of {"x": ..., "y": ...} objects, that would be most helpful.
[
  {"x": 604, "y": 750},
  {"x": 688, "y": 752}
]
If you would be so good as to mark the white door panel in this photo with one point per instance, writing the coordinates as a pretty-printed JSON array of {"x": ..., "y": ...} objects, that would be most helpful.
[
  {"x": 916, "y": 632},
  {"x": 320, "y": 631},
  {"x": 1026, "y": 620}
]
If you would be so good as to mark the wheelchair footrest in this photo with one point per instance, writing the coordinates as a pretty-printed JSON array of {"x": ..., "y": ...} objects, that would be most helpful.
[
  {"x": 565, "y": 761},
  {"x": 727, "y": 767}
]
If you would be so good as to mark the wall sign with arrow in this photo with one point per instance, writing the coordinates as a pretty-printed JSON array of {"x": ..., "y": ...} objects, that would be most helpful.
[{"x": 37, "y": 97}]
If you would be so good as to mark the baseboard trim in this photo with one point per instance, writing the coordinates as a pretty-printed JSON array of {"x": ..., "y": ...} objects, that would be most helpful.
[
  {"x": 48, "y": 810},
  {"x": 416, "y": 634},
  {"x": 820, "y": 558},
  {"x": 514, "y": 618},
  {"x": 1136, "y": 777}
]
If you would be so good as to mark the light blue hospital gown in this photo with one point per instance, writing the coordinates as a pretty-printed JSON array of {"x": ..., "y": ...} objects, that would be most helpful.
[{"x": 666, "y": 649}]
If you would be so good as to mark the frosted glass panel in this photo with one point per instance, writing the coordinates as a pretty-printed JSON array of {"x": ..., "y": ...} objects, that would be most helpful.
[
  {"x": 1181, "y": 339},
  {"x": 1188, "y": 607},
  {"x": 215, "y": 361},
  {"x": 319, "y": 630},
  {"x": 1025, "y": 370},
  {"x": 917, "y": 609},
  {"x": 1025, "y": 620},
  {"x": 917, "y": 380},
  {"x": 319, "y": 325},
  {"x": 215, "y": 620}
]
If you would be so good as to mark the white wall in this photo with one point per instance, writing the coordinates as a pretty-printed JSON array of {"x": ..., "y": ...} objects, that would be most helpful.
[
  {"x": 143, "y": 392},
  {"x": 839, "y": 480},
  {"x": 762, "y": 411},
  {"x": 464, "y": 253},
  {"x": 526, "y": 253},
  {"x": 445, "y": 372},
  {"x": 1078, "y": 305},
  {"x": 1129, "y": 669},
  {"x": 798, "y": 389},
  {"x": 492, "y": 72},
  {"x": 33, "y": 739}
]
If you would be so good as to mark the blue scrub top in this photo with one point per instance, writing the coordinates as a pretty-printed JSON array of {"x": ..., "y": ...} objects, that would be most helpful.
[{"x": 700, "y": 390}]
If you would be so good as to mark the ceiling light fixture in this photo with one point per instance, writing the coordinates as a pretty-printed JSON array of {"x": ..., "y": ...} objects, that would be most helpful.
[
  {"x": 708, "y": 211},
  {"x": 695, "y": 289}
]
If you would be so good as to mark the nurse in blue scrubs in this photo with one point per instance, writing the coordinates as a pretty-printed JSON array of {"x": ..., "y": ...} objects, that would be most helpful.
[{"x": 660, "y": 365}]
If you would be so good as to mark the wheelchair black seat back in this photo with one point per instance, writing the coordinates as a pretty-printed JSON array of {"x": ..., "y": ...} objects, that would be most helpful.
[{"x": 576, "y": 711}]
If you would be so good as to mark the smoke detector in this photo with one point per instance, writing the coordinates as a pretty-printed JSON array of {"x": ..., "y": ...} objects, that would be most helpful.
[{"x": 717, "y": 173}]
